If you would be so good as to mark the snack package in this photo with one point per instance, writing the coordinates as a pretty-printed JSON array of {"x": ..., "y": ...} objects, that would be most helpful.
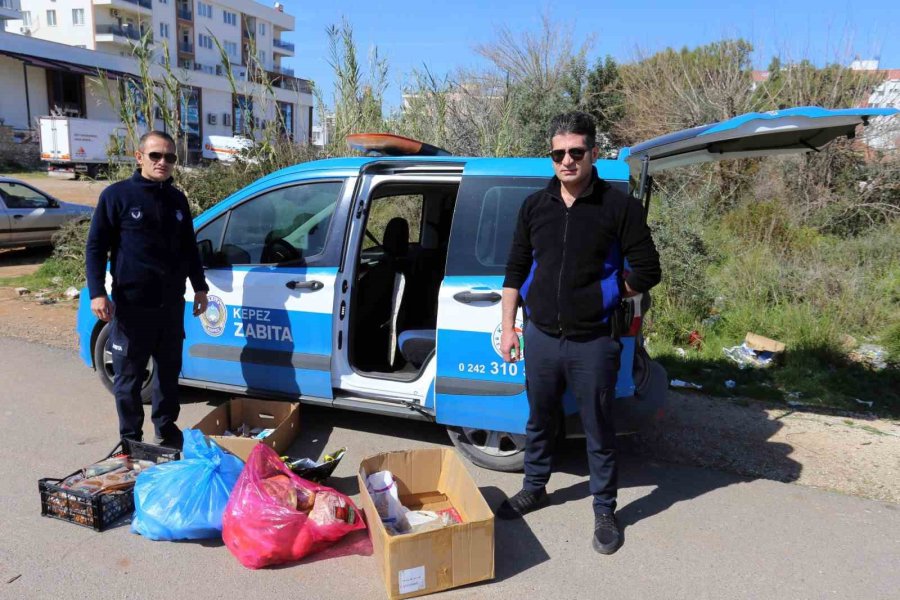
[
  {"x": 267, "y": 524},
  {"x": 185, "y": 499}
]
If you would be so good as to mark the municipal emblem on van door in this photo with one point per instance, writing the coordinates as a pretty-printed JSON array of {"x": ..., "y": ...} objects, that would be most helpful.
[
  {"x": 179, "y": 215},
  {"x": 136, "y": 214},
  {"x": 213, "y": 320},
  {"x": 495, "y": 339}
]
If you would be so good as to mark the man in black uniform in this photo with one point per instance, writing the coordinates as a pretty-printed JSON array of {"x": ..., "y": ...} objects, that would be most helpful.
[
  {"x": 143, "y": 227},
  {"x": 566, "y": 264}
]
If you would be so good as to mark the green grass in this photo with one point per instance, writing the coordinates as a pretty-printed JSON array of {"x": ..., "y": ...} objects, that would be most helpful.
[{"x": 70, "y": 273}]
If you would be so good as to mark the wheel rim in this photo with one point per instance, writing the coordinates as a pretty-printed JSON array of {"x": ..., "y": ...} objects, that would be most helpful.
[
  {"x": 111, "y": 374},
  {"x": 499, "y": 444}
]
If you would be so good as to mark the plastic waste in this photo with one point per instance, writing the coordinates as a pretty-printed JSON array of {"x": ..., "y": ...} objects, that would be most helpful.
[
  {"x": 185, "y": 499},
  {"x": 262, "y": 527},
  {"x": 686, "y": 385},
  {"x": 382, "y": 488}
]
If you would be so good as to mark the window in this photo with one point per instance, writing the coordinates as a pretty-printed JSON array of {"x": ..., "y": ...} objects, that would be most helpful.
[
  {"x": 164, "y": 30},
  {"x": 230, "y": 49},
  {"x": 286, "y": 123},
  {"x": 385, "y": 208},
  {"x": 205, "y": 10},
  {"x": 163, "y": 1},
  {"x": 243, "y": 115},
  {"x": 261, "y": 58},
  {"x": 77, "y": 16},
  {"x": 26, "y": 18},
  {"x": 485, "y": 219},
  {"x": 230, "y": 18},
  {"x": 205, "y": 41},
  {"x": 262, "y": 29},
  {"x": 287, "y": 225},
  {"x": 16, "y": 195},
  {"x": 51, "y": 18}
]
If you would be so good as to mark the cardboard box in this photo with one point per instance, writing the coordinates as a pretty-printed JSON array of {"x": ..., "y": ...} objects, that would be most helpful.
[
  {"x": 763, "y": 344},
  {"x": 284, "y": 417},
  {"x": 415, "y": 564}
]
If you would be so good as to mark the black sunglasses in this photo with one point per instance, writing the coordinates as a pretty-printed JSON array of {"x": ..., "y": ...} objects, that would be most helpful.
[
  {"x": 576, "y": 153},
  {"x": 170, "y": 157}
]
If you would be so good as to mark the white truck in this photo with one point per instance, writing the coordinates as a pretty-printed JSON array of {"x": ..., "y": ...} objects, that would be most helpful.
[{"x": 79, "y": 146}]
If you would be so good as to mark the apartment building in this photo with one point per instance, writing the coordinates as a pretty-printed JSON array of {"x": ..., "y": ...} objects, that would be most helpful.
[
  {"x": 189, "y": 34},
  {"x": 9, "y": 9}
]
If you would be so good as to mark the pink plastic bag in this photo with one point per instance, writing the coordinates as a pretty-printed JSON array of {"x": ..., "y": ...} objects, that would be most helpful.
[{"x": 261, "y": 526}]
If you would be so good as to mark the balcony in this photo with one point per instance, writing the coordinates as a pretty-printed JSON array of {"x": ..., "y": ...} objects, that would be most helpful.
[
  {"x": 185, "y": 48},
  {"x": 184, "y": 13},
  {"x": 284, "y": 47},
  {"x": 144, "y": 7},
  {"x": 10, "y": 9},
  {"x": 279, "y": 70},
  {"x": 118, "y": 34}
]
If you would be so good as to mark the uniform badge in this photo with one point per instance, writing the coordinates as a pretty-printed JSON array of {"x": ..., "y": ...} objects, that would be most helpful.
[
  {"x": 178, "y": 215},
  {"x": 136, "y": 214}
]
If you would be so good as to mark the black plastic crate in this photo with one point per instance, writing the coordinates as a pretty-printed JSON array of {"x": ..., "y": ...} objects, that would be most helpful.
[{"x": 98, "y": 511}]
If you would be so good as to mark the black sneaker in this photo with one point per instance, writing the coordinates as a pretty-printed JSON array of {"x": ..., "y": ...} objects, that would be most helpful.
[
  {"x": 607, "y": 535},
  {"x": 522, "y": 503}
]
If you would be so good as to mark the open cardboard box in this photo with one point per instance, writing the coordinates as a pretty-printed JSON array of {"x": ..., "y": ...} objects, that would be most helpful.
[
  {"x": 284, "y": 417},
  {"x": 414, "y": 564}
]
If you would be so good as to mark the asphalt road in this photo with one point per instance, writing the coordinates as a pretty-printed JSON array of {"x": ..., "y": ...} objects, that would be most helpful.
[{"x": 690, "y": 533}]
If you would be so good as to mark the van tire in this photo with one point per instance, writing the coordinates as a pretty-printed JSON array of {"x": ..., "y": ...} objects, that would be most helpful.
[
  {"x": 466, "y": 442},
  {"x": 104, "y": 369}
]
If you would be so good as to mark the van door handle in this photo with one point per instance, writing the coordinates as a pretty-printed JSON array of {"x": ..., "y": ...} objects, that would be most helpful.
[
  {"x": 468, "y": 297},
  {"x": 18, "y": 216},
  {"x": 305, "y": 285}
]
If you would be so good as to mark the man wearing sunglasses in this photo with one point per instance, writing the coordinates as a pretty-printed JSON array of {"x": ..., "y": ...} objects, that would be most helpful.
[
  {"x": 566, "y": 264},
  {"x": 143, "y": 226}
]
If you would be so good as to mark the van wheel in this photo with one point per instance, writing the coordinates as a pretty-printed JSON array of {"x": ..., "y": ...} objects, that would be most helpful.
[
  {"x": 104, "y": 366},
  {"x": 495, "y": 450}
]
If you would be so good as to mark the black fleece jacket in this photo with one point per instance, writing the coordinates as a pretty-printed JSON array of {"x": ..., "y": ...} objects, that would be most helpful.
[
  {"x": 145, "y": 229},
  {"x": 567, "y": 263}
]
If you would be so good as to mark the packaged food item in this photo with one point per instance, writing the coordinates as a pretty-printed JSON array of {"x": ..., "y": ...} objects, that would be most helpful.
[
  {"x": 383, "y": 489},
  {"x": 331, "y": 509},
  {"x": 309, "y": 469}
]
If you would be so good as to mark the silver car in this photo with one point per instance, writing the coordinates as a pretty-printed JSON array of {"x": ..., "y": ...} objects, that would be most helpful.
[{"x": 29, "y": 217}]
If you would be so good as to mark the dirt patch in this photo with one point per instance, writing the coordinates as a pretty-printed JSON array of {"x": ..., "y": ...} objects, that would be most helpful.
[
  {"x": 68, "y": 190},
  {"x": 855, "y": 454},
  {"x": 28, "y": 319}
]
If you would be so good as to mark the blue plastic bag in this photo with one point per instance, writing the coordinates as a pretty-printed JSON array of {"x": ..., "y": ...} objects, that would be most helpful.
[{"x": 185, "y": 499}]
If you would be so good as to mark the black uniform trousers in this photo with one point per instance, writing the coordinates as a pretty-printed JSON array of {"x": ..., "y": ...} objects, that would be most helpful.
[
  {"x": 139, "y": 334},
  {"x": 588, "y": 369}
]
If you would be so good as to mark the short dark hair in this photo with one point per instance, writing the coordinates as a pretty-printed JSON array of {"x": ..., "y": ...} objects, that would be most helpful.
[
  {"x": 155, "y": 133},
  {"x": 574, "y": 122}
]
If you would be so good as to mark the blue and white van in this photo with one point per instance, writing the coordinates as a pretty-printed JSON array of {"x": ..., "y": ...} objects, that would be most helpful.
[{"x": 373, "y": 284}]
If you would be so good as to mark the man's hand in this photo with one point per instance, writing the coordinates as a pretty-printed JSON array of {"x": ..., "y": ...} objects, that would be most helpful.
[
  {"x": 200, "y": 303},
  {"x": 509, "y": 345},
  {"x": 102, "y": 308}
]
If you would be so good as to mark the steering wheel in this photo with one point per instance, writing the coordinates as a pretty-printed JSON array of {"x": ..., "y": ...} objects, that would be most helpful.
[{"x": 279, "y": 251}]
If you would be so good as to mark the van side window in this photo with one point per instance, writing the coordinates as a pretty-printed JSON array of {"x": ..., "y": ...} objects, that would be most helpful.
[
  {"x": 484, "y": 221},
  {"x": 286, "y": 225}
]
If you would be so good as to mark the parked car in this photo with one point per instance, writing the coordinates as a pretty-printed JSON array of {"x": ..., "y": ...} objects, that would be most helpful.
[
  {"x": 374, "y": 283},
  {"x": 30, "y": 217}
]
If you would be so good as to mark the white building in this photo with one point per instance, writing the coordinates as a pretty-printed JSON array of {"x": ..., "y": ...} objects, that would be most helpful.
[{"x": 38, "y": 46}]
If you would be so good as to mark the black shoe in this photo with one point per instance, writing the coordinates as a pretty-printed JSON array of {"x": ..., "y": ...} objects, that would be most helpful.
[
  {"x": 168, "y": 443},
  {"x": 522, "y": 503},
  {"x": 607, "y": 535}
]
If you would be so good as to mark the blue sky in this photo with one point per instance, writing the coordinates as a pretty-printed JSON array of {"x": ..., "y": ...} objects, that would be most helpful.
[{"x": 442, "y": 35}]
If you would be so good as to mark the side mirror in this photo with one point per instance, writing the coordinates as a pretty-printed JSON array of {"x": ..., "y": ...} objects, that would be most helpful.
[
  {"x": 205, "y": 249},
  {"x": 54, "y": 203}
]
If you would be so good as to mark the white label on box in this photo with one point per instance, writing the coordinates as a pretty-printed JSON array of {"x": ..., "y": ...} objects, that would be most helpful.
[{"x": 412, "y": 580}]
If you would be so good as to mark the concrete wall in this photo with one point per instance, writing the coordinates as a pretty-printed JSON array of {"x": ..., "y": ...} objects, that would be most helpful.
[{"x": 64, "y": 31}]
